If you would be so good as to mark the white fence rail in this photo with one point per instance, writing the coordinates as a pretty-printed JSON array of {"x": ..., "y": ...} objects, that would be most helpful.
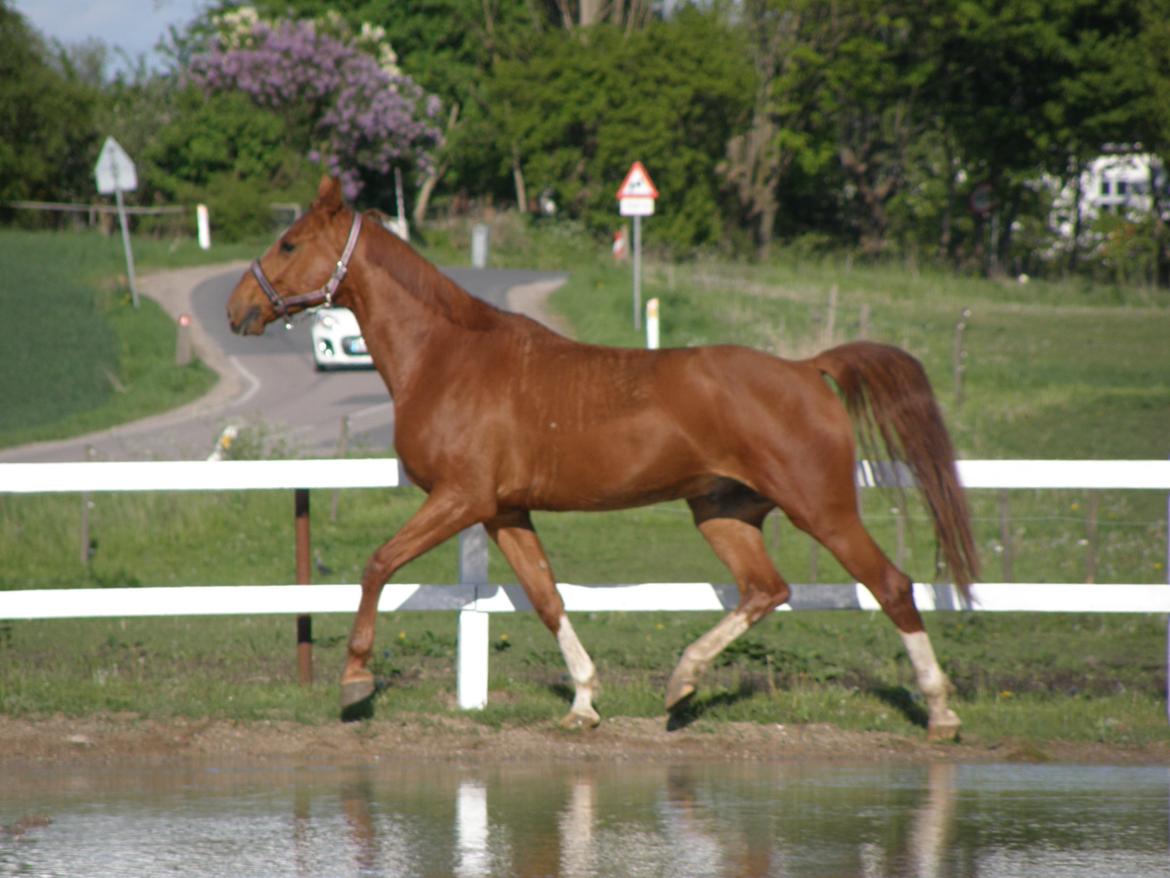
[
  {"x": 475, "y": 603},
  {"x": 383, "y": 472}
]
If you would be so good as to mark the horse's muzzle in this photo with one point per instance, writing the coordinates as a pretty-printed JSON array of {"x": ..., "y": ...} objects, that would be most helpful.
[{"x": 251, "y": 322}]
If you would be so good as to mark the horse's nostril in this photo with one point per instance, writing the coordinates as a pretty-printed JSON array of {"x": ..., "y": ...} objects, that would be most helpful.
[{"x": 243, "y": 326}]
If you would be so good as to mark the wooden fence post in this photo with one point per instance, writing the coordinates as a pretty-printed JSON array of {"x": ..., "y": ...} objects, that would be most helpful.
[
  {"x": 1005, "y": 537},
  {"x": 86, "y": 502},
  {"x": 829, "y": 329},
  {"x": 303, "y": 554},
  {"x": 900, "y": 537},
  {"x": 1094, "y": 502},
  {"x": 959, "y": 356}
]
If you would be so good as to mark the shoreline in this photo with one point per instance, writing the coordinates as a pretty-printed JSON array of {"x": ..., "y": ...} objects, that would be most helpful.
[{"x": 128, "y": 739}]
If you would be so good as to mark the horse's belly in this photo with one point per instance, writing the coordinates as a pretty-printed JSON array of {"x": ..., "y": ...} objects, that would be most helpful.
[{"x": 606, "y": 476}]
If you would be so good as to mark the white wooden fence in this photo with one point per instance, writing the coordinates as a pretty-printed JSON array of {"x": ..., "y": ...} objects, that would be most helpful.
[{"x": 476, "y": 602}]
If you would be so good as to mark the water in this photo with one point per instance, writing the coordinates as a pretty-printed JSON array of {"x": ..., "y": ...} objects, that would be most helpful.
[{"x": 595, "y": 820}]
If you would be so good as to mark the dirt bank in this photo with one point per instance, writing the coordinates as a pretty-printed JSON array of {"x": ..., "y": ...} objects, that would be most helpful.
[{"x": 126, "y": 738}]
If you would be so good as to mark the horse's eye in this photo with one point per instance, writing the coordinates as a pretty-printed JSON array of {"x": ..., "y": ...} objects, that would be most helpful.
[{"x": 287, "y": 246}]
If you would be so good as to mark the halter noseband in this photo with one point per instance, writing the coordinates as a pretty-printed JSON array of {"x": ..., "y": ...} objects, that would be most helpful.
[{"x": 323, "y": 295}]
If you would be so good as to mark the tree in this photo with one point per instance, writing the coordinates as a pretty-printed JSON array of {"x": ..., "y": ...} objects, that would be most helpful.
[
  {"x": 759, "y": 158},
  {"x": 1153, "y": 62},
  {"x": 1027, "y": 88},
  {"x": 836, "y": 93},
  {"x": 451, "y": 48},
  {"x": 47, "y": 140},
  {"x": 870, "y": 100},
  {"x": 350, "y": 110},
  {"x": 575, "y": 114}
]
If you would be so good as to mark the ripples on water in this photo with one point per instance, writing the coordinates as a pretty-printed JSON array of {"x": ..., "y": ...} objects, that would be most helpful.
[{"x": 619, "y": 820}]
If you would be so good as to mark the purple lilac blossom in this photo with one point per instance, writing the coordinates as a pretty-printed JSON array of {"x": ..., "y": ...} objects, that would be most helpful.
[{"x": 363, "y": 119}]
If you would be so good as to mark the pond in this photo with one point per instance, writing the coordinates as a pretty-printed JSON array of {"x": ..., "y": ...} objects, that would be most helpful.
[{"x": 618, "y": 819}]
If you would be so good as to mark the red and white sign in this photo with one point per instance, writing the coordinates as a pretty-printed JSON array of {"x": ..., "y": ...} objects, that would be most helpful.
[
  {"x": 636, "y": 195},
  {"x": 620, "y": 250}
]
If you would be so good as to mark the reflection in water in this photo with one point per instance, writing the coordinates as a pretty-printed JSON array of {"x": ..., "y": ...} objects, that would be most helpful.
[
  {"x": 931, "y": 821},
  {"x": 576, "y": 830},
  {"x": 471, "y": 829}
]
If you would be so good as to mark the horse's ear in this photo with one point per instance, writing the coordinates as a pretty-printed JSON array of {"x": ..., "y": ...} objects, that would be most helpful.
[{"x": 329, "y": 194}]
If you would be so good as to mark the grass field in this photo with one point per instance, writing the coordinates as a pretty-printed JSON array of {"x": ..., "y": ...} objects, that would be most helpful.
[
  {"x": 79, "y": 356},
  {"x": 1050, "y": 370},
  {"x": 1018, "y": 677}
]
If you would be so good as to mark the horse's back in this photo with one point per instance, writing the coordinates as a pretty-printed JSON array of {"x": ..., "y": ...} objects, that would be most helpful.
[{"x": 597, "y": 427}]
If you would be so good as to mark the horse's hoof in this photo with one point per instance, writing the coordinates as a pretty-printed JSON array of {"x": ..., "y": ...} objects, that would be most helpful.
[
  {"x": 945, "y": 729},
  {"x": 357, "y": 700},
  {"x": 574, "y": 720},
  {"x": 678, "y": 694}
]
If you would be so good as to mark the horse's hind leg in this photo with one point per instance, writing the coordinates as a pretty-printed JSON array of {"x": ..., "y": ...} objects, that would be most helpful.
[
  {"x": 731, "y": 522},
  {"x": 852, "y": 545},
  {"x": 517, "y": 539}
]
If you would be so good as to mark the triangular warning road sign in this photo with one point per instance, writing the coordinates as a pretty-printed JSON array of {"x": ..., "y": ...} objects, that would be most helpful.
[
  {"x": 114, "y": 169},
  {"x": 637, "y": 183}
]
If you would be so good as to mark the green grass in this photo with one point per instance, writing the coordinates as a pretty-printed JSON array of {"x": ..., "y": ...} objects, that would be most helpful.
[
  {"x": 1018, "y": 677},
  {"x": 79, "y": 356},
  {"x": 195, "y": 538}
]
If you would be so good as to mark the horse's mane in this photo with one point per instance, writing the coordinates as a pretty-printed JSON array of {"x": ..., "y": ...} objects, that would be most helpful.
[{"x": 426, "y": 284}]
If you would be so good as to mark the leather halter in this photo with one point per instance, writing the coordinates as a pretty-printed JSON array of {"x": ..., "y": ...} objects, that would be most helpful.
[{"x": 323, "y": 295}]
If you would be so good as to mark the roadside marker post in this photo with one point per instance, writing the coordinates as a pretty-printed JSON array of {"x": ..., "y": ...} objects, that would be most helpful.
[
  {"x": 636, "y": 197},
  {"x": 203, "y": 226}
]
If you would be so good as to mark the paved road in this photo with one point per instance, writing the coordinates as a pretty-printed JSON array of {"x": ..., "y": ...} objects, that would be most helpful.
[{"x": 272, "y": 390}]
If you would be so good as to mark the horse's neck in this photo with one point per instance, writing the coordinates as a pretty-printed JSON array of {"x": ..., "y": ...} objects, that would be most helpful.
[{"x": 410, "y": 312}]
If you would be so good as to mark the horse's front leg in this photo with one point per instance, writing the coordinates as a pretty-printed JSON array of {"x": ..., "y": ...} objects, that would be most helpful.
[
  {"x": 442, "y": 516},
  {"x": 517, "y": 539}
]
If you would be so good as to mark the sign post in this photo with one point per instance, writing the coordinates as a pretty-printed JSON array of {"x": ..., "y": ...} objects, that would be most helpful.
[
  {"x": 636, "y": 198},
  {"x": 115, "y": 174}
]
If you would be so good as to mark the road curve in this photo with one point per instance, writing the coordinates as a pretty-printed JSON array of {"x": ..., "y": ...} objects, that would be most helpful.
[{"x": 268, "y": 383}]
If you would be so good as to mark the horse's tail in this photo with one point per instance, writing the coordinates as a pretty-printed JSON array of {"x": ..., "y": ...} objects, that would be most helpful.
[{"x": 889, "y": 396}]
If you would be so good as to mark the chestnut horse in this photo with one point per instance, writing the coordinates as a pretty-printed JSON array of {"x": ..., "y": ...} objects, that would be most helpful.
[{"x": 496, "y": 416}]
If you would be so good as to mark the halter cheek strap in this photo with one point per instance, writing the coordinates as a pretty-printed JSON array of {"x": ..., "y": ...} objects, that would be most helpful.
[{"x": 323, "y": 295}]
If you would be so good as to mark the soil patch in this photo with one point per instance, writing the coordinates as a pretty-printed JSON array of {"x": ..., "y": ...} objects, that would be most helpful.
[{"x": 127, "y": 738}]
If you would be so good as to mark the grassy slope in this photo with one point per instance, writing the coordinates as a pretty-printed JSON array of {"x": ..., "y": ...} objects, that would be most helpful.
[{"x": 79, "y": 356}]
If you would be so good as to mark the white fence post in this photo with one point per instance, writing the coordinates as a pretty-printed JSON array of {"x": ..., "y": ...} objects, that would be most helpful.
[
  {"x": 203, "y": 226},
  {"x": 472, "y": 684},
  {"x": 473, "y": 630}
]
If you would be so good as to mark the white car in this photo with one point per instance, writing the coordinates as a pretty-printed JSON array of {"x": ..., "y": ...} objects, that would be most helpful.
[{"x": 337, "y": 340}]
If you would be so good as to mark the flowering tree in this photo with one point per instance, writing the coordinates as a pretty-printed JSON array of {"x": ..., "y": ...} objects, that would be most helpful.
[{"x": 341, "y": 92}]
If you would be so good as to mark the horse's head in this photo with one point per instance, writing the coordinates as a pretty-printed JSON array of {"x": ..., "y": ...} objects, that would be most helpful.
[{"x": 304, "y": 268}]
